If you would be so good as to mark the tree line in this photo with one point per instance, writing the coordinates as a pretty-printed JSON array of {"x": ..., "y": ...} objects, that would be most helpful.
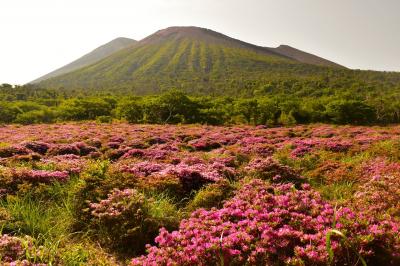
[{"x": 27, "y": 106}]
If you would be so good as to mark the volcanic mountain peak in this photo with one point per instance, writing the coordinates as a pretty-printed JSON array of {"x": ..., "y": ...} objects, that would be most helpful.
[
  {"x": 193, "y": 33},
  {"x": 183, "y": 32},
  {"x": 189, "y": 57},
  {"x": 206, "y": 36},
  {"x": 213, "y": 37}
]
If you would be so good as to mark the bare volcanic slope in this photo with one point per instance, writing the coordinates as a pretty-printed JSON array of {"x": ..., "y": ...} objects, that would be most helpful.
[
  {"x": 190, "y": 58},
  {"x": 90, "y": 58}
]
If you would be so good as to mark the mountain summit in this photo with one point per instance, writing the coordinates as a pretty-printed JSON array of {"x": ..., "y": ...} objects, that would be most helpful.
[{"x": 188, "y": 58}]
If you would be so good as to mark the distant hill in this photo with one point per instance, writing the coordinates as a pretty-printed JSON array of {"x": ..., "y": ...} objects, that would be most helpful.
[
  {"x": 90, "y": 58},
  {"x": 202, "y": 61},
  {"x": 303, "y": 57}
]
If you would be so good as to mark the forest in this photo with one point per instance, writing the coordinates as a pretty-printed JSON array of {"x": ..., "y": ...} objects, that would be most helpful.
[{"x": 280, "y": 102}]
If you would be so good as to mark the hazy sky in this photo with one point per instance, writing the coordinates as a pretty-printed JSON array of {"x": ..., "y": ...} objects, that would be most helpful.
[{"x": 38, "y": 36}]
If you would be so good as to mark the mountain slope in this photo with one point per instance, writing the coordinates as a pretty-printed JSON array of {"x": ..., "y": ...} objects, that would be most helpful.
[
  {"x": 303, "y": 57},
  {"x": 90, "y": 58},
  {"x": 189, "y": 58}
]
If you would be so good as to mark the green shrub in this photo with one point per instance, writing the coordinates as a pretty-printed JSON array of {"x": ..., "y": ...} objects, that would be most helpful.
[{"x": 211, "y": 196}]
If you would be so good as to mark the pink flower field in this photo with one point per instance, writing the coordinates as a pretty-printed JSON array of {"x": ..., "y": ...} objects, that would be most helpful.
[{"x": 121, "y": 194}]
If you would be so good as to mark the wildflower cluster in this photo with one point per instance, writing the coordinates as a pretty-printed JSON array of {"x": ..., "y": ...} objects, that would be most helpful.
[
  {"x": 274, "y": 225},
  {"x": 14, "y": 250}
]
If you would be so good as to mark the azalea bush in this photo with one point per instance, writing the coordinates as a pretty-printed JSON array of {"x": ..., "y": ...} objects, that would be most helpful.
[
  {"x": 126, "y": 219},
  {"x": 275, "y": 225},
  {"x": 21, "y": 251}
]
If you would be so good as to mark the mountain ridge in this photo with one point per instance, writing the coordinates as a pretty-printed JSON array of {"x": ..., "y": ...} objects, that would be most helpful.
[
  {"x": 303, "y": 56},
  {"x": 90, "y": 58}
]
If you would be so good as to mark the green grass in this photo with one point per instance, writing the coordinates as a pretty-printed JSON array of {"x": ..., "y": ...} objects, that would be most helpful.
[
  {"x": 37, "y": 217},
  {"x": 337, "y": 192},
  {"x": 4, "y": 144},
  {"x": 162, "y": 206}
]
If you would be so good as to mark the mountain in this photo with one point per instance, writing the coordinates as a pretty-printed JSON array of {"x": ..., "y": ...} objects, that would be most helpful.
[
  {"x": 193, "y": 59},
  {"x": 90, "y": 58},
  {"x": 302, "y": 56}
]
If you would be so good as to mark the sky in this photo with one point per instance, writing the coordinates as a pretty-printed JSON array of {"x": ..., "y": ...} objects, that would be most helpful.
[{"x": 39, "y": 36}]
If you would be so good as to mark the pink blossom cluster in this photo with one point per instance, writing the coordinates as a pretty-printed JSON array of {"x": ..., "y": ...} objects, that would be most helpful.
[
  {"x": 11, "y": 151},
  {"x": 73, "y": 164},
  {"x": 150, "y": 154},
  {"x": 306, "y": 146},
  {"x": 380, "y": 191},
  {"x": 379, "y": 167},
  {"x": 77, "y": 148},
  {"x": 118, "y": 202},
  {"x": 271, "y": 169},
  {"x": 338, "y": 146},
  {"x": 37, "y": 146},
  {"x": 273, "y": 225},
  {"x": 205, "y": 144},
  {"x": 13, "y": 251},
  {"x": 189, "y": 172},
  {"x": 192, "y": 172},
  {"x": 144, "y": 168},
  {"x": 40, "y": 176},
  {"x": 379, "y": 195}
]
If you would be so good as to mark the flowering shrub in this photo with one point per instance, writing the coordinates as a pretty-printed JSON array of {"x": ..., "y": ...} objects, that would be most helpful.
[
  {"x": 11, "y": 248},
  {"x": 381, "y": 194},
  {"x": 13, "y": 251},
  {"x": 78, "y": 148},
  {"x": 40, "y": 176},
  {"x": 204, "y": 144},
  {"x": 70, "y": 163},
  {"x": 193, "y": 177},
  {"x": 117, "y": 204},
  {"x": 338, "y": 146},
  {"x": 85, "y": 149},
  {"x": 379, "y": 167},
  {"x": 121, "y": 216},
  {"x": 272, "y": 170},
  {"x": 331, "y": 172},
  {"x": 154, "y": 153},
  {"x": 303, "y": 147},
  {"x": 37, "y": 146},
  {"x": 192, "y": 173},
  {"x": 11, "y": 179},
  {"x": 13, "y": 150},
  {"x": 64, "y": 149},
  {"x": 273, "y": 225},
  {"x": 145, "y": 168},
  {"x": 125, "y": 219}
]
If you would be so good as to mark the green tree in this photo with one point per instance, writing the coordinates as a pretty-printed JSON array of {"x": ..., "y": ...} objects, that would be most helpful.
[
  {"x": 131, "y": 110},
  {"x": 248, "y": 108},
  {"x": 8, "y": 112},
  {"x": 176, "y": 107},
  {"x": 350, "y": 112}
]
